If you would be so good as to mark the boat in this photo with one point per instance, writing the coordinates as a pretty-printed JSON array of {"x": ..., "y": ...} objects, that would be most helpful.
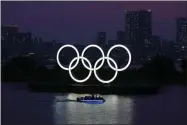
[{"x": 91, "y": 99}]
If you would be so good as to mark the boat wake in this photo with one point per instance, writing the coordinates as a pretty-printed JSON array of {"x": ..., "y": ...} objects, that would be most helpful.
[{"x": 67, "y": 100}]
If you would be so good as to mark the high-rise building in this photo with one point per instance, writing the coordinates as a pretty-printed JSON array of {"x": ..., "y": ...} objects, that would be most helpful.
[
  {"x": 138, "y": 29},
  {"x": 181, "y": 37},
  {"x": 35, "y": 40},
  {"x": 9, "y": 32},
  {"x": 121, "y": 37},
  {"x": 138, "y": 26},
  {"x": 181, "y": 34},
  {"x": 156, "y": 43},
  {"x": 112, "y": 42},
  {"x": 24, "y": 38},
  {"x": 40, "y": 40},
  {"x": 101, "y": 38}
]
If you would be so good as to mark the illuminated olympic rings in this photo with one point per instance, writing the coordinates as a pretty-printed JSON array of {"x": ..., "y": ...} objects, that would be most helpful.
[{"x": 95, "y": 67}]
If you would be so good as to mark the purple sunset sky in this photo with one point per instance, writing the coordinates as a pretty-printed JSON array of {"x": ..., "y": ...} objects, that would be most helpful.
[{"x": 75, "y": 22}]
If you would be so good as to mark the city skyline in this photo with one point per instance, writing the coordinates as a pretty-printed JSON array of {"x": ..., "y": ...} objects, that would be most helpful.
[{"x": 76, "y": 18}]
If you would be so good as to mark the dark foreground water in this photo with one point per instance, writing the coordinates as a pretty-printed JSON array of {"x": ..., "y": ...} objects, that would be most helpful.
[{"x": 19, "y": 106}]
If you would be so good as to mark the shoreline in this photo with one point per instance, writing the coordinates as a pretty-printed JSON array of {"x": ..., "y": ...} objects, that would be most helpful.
[{"x": 93, "y": 89}]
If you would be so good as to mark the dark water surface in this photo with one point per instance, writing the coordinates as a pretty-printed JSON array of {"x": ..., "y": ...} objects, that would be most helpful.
[{"x": 19, "y": 106}]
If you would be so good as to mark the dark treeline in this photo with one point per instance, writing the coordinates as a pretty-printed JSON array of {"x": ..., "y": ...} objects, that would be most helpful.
[{"x": 161, "y": 70}]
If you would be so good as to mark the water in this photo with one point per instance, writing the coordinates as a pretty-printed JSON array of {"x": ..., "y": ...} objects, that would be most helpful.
[{"x": 19, "y": 106}]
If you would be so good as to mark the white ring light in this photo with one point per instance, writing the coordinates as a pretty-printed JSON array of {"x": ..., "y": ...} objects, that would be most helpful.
[
  {"x": 95, "y": 68},
  {"x": 105, "y": 81},
  {"x": 103, "y": 56},
  {"x": 70, "y": 73},
  {"x": 129, "y": 54},
  {"x": 58, "y": 53}
]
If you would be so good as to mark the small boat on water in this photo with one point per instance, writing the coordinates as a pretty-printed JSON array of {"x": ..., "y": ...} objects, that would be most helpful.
[{"x": 91, "y": 99}]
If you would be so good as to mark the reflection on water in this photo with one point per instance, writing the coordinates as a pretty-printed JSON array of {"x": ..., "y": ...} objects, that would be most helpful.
[
  {"x": 80, "y": 113},
  {"x": 20, "y": 107}
]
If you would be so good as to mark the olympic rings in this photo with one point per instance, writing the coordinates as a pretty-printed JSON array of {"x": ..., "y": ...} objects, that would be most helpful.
[
  {"x": 129, "y": 54},
  {"x": 90, "y": 73},
  {"x": 103, "y": 55},
  {"x": 95, "y": 73},
  {"x": 58, "y": 53},
  {"x": 93, "y": 68}
]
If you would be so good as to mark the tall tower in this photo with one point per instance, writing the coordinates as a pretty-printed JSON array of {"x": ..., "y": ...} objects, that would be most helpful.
[
  {"x": 181, "y": 34},
  {"x": 181, "y": 37},
  {"x": 121, "y": 37},
  {"x": 101, "y": 38},
  {"x": 138, "y": 29},
  {"x": 9, "y": 32}
]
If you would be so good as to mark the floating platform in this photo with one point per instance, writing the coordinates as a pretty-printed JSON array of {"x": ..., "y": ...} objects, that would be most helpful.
[{"x": 88, "y": 100}]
